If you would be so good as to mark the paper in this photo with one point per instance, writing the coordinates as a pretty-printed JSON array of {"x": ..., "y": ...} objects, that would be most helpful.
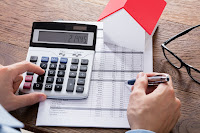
[{"x": 108, "y": 99}]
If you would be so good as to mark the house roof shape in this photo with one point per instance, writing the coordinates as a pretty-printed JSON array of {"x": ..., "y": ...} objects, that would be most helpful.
[{"x": 145, "y": 12}]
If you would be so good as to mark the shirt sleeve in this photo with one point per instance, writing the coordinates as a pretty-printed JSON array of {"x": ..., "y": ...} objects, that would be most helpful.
[
  {"x": 139, "y": 131},
  {"x": 8, "y": 122}
]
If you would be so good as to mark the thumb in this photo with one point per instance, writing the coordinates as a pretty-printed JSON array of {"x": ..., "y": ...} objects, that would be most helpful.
[
  {"x": 141, "y": 83},
  {"x": 29, "y": 99}
]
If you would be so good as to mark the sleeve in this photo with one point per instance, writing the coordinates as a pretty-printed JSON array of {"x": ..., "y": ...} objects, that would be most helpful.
[
  {"x": 139, "y": 131},
  {"x": 8, "y": 122}
]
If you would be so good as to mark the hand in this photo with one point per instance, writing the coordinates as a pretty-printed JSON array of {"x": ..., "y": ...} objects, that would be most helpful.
[
  {"x": 157, "y": 111},
  {"x": 10, "y": 80}
]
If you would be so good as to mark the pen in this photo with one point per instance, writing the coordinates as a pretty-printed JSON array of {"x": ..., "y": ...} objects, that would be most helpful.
[{"x": 155, "y": 80}]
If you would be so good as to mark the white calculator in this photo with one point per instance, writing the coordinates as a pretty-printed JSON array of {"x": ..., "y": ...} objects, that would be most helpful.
[{"x": 66, "y": 52}]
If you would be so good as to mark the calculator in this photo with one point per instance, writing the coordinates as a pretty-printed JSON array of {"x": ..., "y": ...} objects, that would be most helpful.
[{"x": 66, "y": 52}]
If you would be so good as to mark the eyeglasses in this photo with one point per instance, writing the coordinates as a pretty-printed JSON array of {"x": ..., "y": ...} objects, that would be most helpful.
[{"x": 176, "y": 61}]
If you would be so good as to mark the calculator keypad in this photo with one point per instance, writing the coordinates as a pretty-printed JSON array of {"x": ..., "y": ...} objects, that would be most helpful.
[
  {"x": 45, "y": 59},
  {"x": 37, "y": 86},
  {"x": 27, "y": 85},
  {"x": 33, "y": 59},
  {"x": 48, "y": 87},
  {"x": 40, "y": 79},
  {"x": 59, "y": 80},
  {"x": 55, "y": 74},
  {"x": 62, "y": 67},
  {"x": 50, "y": 80},
  {"x": 53, "y": 66},
  {"x": 58, "y": 87},
  {"x": 43, "y": 65},
  {"x": 70, "y": 85}
]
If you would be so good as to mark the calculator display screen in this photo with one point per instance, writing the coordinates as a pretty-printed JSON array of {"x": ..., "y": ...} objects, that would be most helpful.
[{"x": 63, "y": 37}]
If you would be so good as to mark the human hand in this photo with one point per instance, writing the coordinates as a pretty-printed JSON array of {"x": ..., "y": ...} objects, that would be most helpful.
[
  {"x": 157, "y": 111},
  {"x": 10, "y": 80}
]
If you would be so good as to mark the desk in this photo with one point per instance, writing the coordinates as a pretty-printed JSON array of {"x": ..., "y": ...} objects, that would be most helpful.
[{"x": 16, "y": 19}]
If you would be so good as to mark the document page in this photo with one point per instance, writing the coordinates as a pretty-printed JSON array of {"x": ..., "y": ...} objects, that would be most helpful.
[{"x": 106, "y": 105}]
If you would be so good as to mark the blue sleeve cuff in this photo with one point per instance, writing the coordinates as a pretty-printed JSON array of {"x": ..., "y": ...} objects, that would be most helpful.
[{"x": 139, "y": 131}]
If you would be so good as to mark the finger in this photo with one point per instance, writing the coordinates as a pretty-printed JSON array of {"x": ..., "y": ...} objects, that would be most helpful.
[
  {"x": 150, "y": 89},
  {"x": 152, "y": 74},
  {"x": 161, "y": 88},
  {"x": 132, "y": 88},
  {"x": 164, "y": 74},
  {"x": 28, "y": 99},
  {"x": 17, "y": 83},
  {"x": 24, "y": 66},
  {"x": 141, "y": 83},
  {"x": 155, "y": 73}
]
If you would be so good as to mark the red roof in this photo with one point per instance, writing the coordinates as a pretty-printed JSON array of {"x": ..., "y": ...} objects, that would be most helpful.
[{"x": 145, "y": 12}]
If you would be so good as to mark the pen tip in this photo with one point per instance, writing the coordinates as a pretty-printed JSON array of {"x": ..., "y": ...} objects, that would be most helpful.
[{"x": 167, "y": 78}]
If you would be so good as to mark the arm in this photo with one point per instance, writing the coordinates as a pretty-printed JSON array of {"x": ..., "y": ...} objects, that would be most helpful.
[{"x": 154, "y": 109}]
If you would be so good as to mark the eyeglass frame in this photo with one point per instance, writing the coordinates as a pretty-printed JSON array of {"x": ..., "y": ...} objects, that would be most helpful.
[{"x": 187, "y": 66}]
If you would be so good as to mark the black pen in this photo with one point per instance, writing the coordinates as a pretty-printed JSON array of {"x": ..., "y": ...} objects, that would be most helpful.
[{"x": 155, "y": 80}]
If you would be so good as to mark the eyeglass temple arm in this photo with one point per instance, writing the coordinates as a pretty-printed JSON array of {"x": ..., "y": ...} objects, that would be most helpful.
[{"x": 180, "y": 34}]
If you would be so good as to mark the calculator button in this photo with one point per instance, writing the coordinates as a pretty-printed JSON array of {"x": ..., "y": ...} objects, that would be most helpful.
[
  {"x": 33, "y": 59},
  {"x": 54, "y": 59},
  {"x": 51, "y": 73},
  {"x": 28, "y": 78},
  {"x": 75, "y": 61},
  {"x": 48, "y": 87},
  {"x": 37, "y": 86},
  {"x": 30, "y": 73},
  {"x": 72, "y": 74},
  {"x": 49, "y": 80},
  {"x": 59, "y": 81},
  {"x": 62, "y": 67},
  {"x": 70, "y": 85},
  {"x": 83, "y": 68},
  {"x": 84, "y": 62},
  {"x": 73, "y": 67},
  {"x": 81, "y": 82},
  {"x": 61, "y": 73},
  {"x": 82, "y": 75},
  {"x": 27, "y": 85},
  {"x": 63, "y": 60},
  {"x": 43, "y": 65},
  {"x": 58, "y": 87},
  {"x": 79, "y": 89},
  {"x": 40, "y": 79},
  {"x": 44, "y": 59},
  {"x": 53, "y": 66}
]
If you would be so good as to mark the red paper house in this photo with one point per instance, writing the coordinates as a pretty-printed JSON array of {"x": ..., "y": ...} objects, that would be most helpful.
[{"x": 129, "y": 22}]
